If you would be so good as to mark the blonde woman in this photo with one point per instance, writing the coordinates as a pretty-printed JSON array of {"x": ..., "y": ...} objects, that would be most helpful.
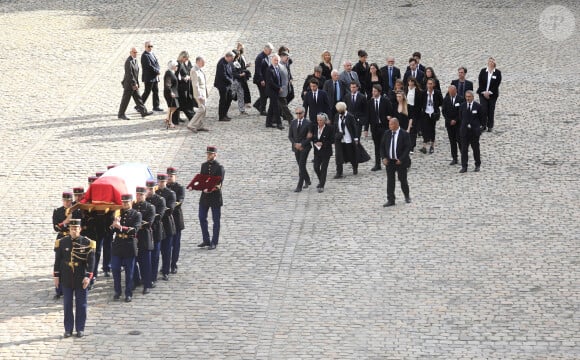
[{"x": 326, "y": 64}]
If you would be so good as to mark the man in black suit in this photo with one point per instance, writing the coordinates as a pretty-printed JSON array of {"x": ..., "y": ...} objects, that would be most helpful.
[
  {"x": 346, "y": 140},
  {"x": 379, "y": 111},
  {"x": 451, "y": 104},
  {"x": 223, "y": 81},
  {"x": 488, "y": 90},
  {"x": 460, "y": 83},
  {"x": 131, "y": 87},
  {"x": 335, "y": 89},
  {"x": 470, "y": 113},
  {"x": 390, "y": 73},
  {"x": 261, "y": 65},
  {"x": 299, "y": 137},
  {"x": 356, "y": 104},
  {"x": 317, "y": 74},
  {"x": 322, "y": 139},
  {"x": 417, "y": 56},
  {"x": 273, "y": 90},
  {"x": 413, "y": 72},
  {"x": 150, "y": 77},
  {"x": 316, "y": 101},
  {"x": 395, "y": 149}
]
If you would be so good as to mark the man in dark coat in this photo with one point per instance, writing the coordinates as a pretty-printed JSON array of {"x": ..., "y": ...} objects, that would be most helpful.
[
  {"x": 150, "y": 77},
  {"x": 168, "y": 224},
  {"x": 395, "y": 149},
  {"x": 144, "y": 240},
  {"x": 179, "y": 191},
  {"x": 131, "y": 87},
  {"x": 158, "y": 232},
  {"x": 223, "y": 82}
]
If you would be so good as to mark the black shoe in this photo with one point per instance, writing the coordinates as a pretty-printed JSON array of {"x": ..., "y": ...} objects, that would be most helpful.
[
  {"x": 123, "y": 117},
  {"x": 107, "y": 274},
  {"x": 225, "y": 119},
  {"x": 157, "y": 109},
  {"x": 338, "y": 176},
  {"x": 318, "y": 186},
  {"x": 408, "y": 200},
  {"x": 453, "y": 162},
  {"x": 423, "y": 150},
  {"x": 174, "y": 271},
  {"x": 280, "y": 127},
  {"x": 431, "y": 150},
  {"x": 389, "y": 203},
  {"x": 354, "y": 171},
  {"x": 67, "y": 334},
  {"x": 298, "y": 189},
  {"x": 165, "y": 277},
  {"x": 306, "y": 185},
  {"x": 147, "y": 113},
  {"x": 463, "y": 170},
  {"x": 56, "y": 297},
  {"x": 203, "y": 244},
  {"x": 376, "y": 168},
  {"x": 128, "y": 299},
  {"x": 489, "y": 129},
  {"x": 211, "y": 247},
  {"x": 483, "y": 128},
  {"x": 263, "y": 113},
  {"x": 117, "y": 297},
  {"x": 320, "y": 190},
  {"x": 146, "y": 291},
  {"x": 80, "y": 334},
  {"x": 476, "y": 169}
]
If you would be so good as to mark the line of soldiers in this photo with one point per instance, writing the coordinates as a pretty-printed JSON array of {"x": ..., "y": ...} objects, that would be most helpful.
[{"x": 132, "y": 238}]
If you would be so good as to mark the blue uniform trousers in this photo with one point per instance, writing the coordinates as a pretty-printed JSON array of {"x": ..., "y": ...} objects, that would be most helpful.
[
  {"x": 80, "y": 296},
  {"x": 175, "y": 250},
  {"x": 155, "y": 260},
  {"x": 166, "y": 247},
  {"x": 129, "y": 264},
  {"x": 143, "y": 271},
  {"x": 216, "y": 216}
]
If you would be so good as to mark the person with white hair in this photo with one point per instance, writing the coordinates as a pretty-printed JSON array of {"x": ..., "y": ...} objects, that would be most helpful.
[
  {"x": 223, "y": 82},
  {"x": 346, "y": 139},
  {"x": 200, "y": 94},
  {"x": 348, "y": 76},
  {"x": 170, "y": 92}
]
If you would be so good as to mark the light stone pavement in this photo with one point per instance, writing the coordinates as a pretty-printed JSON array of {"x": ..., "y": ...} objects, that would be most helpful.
[{"x": 479, "y": 266}]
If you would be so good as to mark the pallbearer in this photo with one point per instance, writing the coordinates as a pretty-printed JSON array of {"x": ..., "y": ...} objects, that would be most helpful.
[
  {"x": 60, "y": 223},
  {"x": 179, "y": 191},
  {"x": 168, "y": 224},
  {"x": 158, "y": 233},
  {"x": 73, "y": 263},
  {"x": 144, "y": 239}
]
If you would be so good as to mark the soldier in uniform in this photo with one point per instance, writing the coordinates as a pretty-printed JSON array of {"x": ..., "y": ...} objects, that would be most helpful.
[
  {"x": 88, "y": 229},
  {"x": 179, "y": 191},
  {"x": 168, "y": 223},
  {"x": 158, "y": 233},
  {"x": 60, "y": 221},
  {"x": 124, "y": 246},
  {"x": 144, "y": 239},
  {"x": 211, "y": 199},
  {"x": 73, "y": 263}
]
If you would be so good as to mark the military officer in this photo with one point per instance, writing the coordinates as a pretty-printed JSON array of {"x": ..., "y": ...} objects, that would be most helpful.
[
  {"x": 144, "y": 239},
  {"x": 91, "y": 179},
  {"x": 124, "y": 246},
  {"x": 60, "y": 221},
  {"x": 168, "y": 223},
  {"x": 88, "y": 222},
  {"x": 158, "y": 232},
  {"x": 211, "y": 199},
  {"x": 73, "y": 263},
  {"x": 179, "y": 191}
]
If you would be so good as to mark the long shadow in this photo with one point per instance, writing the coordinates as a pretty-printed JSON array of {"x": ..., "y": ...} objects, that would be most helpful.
[
  {"x": 67, "y": 121},
  {"x": 29, "y": 341}
]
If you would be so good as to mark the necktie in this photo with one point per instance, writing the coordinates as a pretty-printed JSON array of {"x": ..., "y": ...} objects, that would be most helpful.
[
  {"x": 390, "y": 77},
  {"x": 414, "y": 75},
  {"x": 277, "y": 74},
  {"x": 336, "y": 91},
  {"x": 461, "y": 88},
  {"x": 377, "y": 110},
  {"x": 299, "y": 124},
  {"x": 453, "y": 100},
  {"x": 353, "y": 99},
  {"x": 393, "y": 153},
  {"x": 314, "y": 96},
  {"x": 350, "y": 74},
  {"x": 342, "y": 124}
]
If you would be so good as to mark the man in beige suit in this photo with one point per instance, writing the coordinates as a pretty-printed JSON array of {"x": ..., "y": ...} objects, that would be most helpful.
[{"x": 198, "y": 82}]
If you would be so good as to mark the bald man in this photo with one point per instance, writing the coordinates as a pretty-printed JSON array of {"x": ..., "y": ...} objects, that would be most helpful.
[{"x": 131, "y": 87}]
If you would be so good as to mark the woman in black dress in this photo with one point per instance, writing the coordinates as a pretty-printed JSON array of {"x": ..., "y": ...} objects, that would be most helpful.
[
  {"x": 361, "y": 68},
  {"x": 373, "y": 77},
  {"x": 326, "y": 64},
  {"x": 414, "y": 98},
  {"x": 430, "y": 74},
  {"x": 170, "y": 92},
  {"x": 402, "y": 112}
]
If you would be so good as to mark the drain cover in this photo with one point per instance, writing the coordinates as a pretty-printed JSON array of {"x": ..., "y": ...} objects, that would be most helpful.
[{"x": 134, "y": 332}]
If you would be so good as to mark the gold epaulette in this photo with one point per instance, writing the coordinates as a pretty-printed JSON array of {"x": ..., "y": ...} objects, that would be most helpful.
[
  {"x": 93, "y": 244},
  {"x": 57, "y": 243}
]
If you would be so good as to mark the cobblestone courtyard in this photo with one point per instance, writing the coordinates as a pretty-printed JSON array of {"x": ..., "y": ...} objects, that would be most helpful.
[{"x": 480, "y": 266}]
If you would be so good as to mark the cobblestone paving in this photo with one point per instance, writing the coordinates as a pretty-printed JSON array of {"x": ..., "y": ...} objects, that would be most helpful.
[{"x": 479, "y": 266}]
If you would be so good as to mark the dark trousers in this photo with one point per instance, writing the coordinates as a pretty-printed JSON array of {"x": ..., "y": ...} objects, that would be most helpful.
[
  {"x": 127, "y": 94},
  {"x": 175, "y": 250},
  {"x": 224, "y": 103},
  {"x": 321, "y": 168},
  {"x": 348, "y": 155},
  {"x": 247, "y": 95},
  {"x": 129, "y": 264},
  {"x": 216, "y": 213},
  {"x": 301, "y": 159},
  {"x": 80, "y": 296},
  {"x": 260, "y": 104},
  {"x": 155, "y": 260},
  {"x": 166, "y": 248},
  {"x": 284, "y": 111},
  {"x": 377, "y": 134},
  {"x": 401, "y": 171},
  {"x": 104, "y": 241},
  {"x": 142, "y": 272},
  {"x": 273, "y": 117},
  {"x": 454, "y": 143},
  {"x": 152, "y": 86},
  {"x": 185, "y": 105},
  {"x": 428, "y": 127},
  {"x": 473, "y": 140},
  {"x": 488, "y": 107}
]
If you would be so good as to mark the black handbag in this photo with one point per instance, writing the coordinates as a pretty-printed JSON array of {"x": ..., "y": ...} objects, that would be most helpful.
[
  {"x": 290, "y": 95},
  {"x": 362, "y": 155}
]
